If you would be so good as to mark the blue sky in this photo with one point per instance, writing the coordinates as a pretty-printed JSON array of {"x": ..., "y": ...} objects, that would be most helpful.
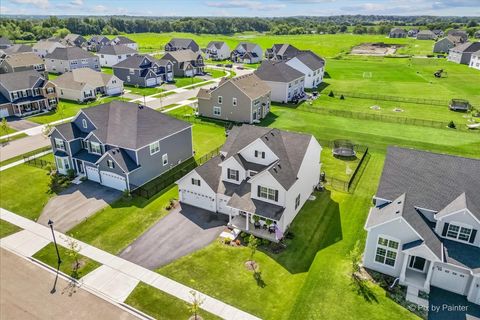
[{"x": 269, "y": 8}]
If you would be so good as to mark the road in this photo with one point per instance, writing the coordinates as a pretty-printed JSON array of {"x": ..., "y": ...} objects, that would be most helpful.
[
  {"x": 20, "y": 146},
  {"x": 26, "y": 288}
]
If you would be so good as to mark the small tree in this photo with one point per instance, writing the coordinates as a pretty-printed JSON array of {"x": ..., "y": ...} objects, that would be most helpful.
[
  {"x": 73, "y": 252},
  {"x": 355, "y": 256},
  {"x": 46, "y": 130},
  {"x": 331, "y": 94},
  {"x": 4, "y": 126},
  {"x": 252, "y": 245},
  {"x": 195, "y": 304},
  {"x": 452, "y": 125},
  {"x": 342, "y": 97}
]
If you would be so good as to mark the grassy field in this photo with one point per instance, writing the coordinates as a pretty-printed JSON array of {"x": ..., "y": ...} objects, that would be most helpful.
[
  {"x": 7, "y": 228},
  {"x": 20, "y": 157}
]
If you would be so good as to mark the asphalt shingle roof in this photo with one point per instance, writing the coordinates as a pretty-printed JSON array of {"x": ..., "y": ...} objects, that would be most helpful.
[
  {"x": 277, "y": 72},
  {"x": 69, "y": 53},
  {"x": 216, "y": 44},
  {"x": 18, "y": 48},
  {"x": 21, "y": 80},
  {"x": 77, "y": 78},
  {"x": 23, "y": 59},
  {"x": 311, "y": 60},
  {"x": 249, "y": 84},
  {"x": 116, "y": 50},
  {"x": 467, "y": 47},
  {"x": 123, "y": 40}
]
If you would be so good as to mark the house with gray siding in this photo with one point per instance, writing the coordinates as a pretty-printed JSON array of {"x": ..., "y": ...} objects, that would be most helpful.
[
  {"x": 281, "y": 52},
  {"x": 176, "y": 44},
  {"x": 120, "y": 144},
  {"x": 247, "y": 52},
  {"x": 424, "y": 226},
  {"x": 444, "y": 45},
  {"x": 462, "y": 54},
  {"x": 144, "y": 70},
  {"x": 22, "y": 62},
  {"x": 397, "y": 33},
  {"x": 66, "y": 59},
  {"x": 458, "y": 33},
  {"x": 76, "y": 40},
  {"x": 186, "y": 63},
  {"x": 244, "y": 98}
]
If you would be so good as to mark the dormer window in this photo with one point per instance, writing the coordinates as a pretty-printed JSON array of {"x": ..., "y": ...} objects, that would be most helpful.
[
  {"x": 84, "y": 124},
  {"x": 154, "y": 147},
  {"x": 233, "y": 174},
  {"x": 259, "y": 154},
  {"x": 110, "y": 164},
  {"x": 458, "y": 232}
]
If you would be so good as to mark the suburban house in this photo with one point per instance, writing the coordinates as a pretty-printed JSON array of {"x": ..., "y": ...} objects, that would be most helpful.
[
  {"x": 247, "y": 52},
  {"x": 26, "y": 92},
  {"x": 444, "y": 45},
  {"x": 176, "y": 44},
  {"x": 438, "y": 32},
  {"x": 286, "y": 82},
  {"x": 44, "y": 47},
  {"x": 186, "y": 63},
  {"x": 244, "y": 98},
  {"x": 120, "y": 144},
  {"x": 143, "y": 70},
  {"x": 261, "y": 179},
  {"x": 5, "y": 43},
  {"x": 66, "y": 59},
  {"x": 111, "y": 55},
  {"x": 21, "y": 62},
  {"x": 413, "y": 33},
  {"x": 311, "y": 65},
  {"x": 84, "y": 84},
  {"x": 281, "y": 52},
  {"x": 16, "y": 48},
  {"x": 122, "y": 40},
  {"x": 458, "y": 33},
  {"x": 217, "y": 50},
  {"x": 96, "y": 42},
  {"x": 475, "y": 60},
  {"x": 477, "y": 35},
  {"x": 463, "y": 53},
  {"x": 397, "y": 33},
  {"x": 424, "y": 223},
  {"x": 426, "y": 35},
  {"x": 75, "y": 40}
]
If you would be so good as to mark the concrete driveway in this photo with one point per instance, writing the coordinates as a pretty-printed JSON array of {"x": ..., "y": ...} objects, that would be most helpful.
[
  {"x": 77, "y": 203},
  {"x": 184, "y": 230},
  {"x": 20, "y": 124},
  {"x": 441, "y": 301}
]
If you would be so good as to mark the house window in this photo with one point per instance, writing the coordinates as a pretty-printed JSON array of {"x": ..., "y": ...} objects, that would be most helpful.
[
  {"x": 165, "y": 159},
  {"x": 110, "y": 164},
  {"x": 50, "y": 90},
  {"x": 232, "y": 174},
  {"x": 267, "y": 193},
  {"x": 128, "y": 78},
  {"x": 259, "y": 154},
  {"x": 460, "y": 233},
  {"x": 417, "y": 263},
  {"x": 196, "y": 182},
  {"x": 131, "y": 71},
  {"x": 60, "y": 163},
  {"x": 386, "y": 251},
  {"x": 234, "y": 102},
  {"x": 220, "y": 99},
  {"x": 84, "y": 124},
  {"x": 297, "y": 201},
  {"x": 154, "y": 147},
  {"x": 217, "y": 111},
  {"x": 95, "y": 147},
  {"x": 59, "y": 144}
]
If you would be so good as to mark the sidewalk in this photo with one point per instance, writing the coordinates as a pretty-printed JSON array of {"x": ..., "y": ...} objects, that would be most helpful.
[
  {"x": 117, "y": 277},
  {"x": 16, "y": 163}
]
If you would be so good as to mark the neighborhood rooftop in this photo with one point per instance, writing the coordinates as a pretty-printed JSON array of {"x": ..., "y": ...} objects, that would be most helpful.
[
  {"x": 277, "y": 72},
  {"x": 23, "y": 59},
  {"x": 116, "y": 50},
  {"x": 20, "y": 80},
  {"x": 78, "y": 78},
  {"x": 69, "y": 53}
]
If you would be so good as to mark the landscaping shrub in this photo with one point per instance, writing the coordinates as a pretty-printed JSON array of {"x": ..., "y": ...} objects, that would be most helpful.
[
  {"x": 70, "y": 174},
  {"x": 452, "y": 125},
  {"x": 342, "y": 97},
  {"x": 227, "y": 241},
  {"x": 331, "y": 94}
]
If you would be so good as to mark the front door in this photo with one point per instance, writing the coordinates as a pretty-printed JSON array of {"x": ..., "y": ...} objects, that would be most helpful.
[{"x": 80, "y": 166}]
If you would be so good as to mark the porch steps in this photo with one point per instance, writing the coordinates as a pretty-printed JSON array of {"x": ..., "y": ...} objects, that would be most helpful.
[{"x": 412, "y": 296}]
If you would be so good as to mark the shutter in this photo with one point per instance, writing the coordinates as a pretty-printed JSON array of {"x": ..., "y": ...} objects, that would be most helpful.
[
  {"x": 276, "y": 195},
  {"x": 472, "y": 237},
  {"x": 445, "y": 228},
  {"x": 237, "y": 174},
  {"x": 256, "y": 154},
  {"x": 228, "y": 173},
  {"x": 193, "y": 181},
  {"x": 258, "y": 191},
  {"x": 263, "y": 155}
]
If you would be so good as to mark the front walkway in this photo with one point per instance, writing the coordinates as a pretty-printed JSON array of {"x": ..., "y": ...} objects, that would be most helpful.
[{"x": 118, "y": 274}]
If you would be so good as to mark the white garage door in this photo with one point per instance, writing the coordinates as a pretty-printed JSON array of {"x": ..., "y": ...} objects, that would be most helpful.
[
  {"x": 198, "y": 200},
  {"x": 114, "y": 90},
  {"x": 151, "y": 82},
  {"x": 4, "y": 113},
  {"x": 113, "y": 180},
  {"x": 92, "y": 174},
  {"x": 450, "y": 280},
  {"x": 189, "y": 73}
]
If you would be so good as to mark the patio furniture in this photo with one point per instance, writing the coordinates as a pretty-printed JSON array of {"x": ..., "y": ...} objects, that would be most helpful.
[
  {"x": 257, "y": 225},
  {"x": 271, "y": 229}
]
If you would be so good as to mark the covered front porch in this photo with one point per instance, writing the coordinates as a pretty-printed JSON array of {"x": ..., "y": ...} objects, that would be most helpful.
[
  {"x": 28, "y": 107},
  {"x": 257, "y": 228}
]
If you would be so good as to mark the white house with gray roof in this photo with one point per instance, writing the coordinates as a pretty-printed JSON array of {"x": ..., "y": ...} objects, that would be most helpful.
[
  {"x": 247, "y": 52},
  {"x": 475, "y": 60},
  {"x": 463, "y": 52},
  {"x": 287, "y": 83},
  {"x": 281, "y": 52},
  {"x": 217, "y": 50},
  {"x": 311, "y": 65},
  {"x": 112, "y": 54},
  {"x": 121, "y": 145},
  {"x": 66, "y": 59},
  {"x": 423, "y": 228},
  {"x": 44, "y": 47},
  {"x": 122, "y": 40},
  {"x": 260, "y": 180}
]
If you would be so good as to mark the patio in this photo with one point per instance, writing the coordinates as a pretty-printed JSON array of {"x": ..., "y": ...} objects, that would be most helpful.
[{"x": 240, "y": 222}]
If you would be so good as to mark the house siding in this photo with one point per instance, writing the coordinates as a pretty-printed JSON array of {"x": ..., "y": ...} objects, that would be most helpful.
[
  {"x": 462, "y": 217},
  {"x": 61, "y": 66}
]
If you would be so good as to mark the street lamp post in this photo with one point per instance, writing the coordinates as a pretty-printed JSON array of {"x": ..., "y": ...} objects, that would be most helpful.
[{"x": 50, "y": 224}]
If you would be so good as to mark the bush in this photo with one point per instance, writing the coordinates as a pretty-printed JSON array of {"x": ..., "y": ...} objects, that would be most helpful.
[
  {"x": 70, "y": 174},
  {"x": 331, "y": 94},
  {"x": 452, "y": 125},
  {"x": 342, "y": 97},
  {"x": 265, "y": 242},
  {"x": 227, "y": 241}
]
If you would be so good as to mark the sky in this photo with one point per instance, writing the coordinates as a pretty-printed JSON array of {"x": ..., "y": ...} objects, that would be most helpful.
[{"x": 250, "y": 8}]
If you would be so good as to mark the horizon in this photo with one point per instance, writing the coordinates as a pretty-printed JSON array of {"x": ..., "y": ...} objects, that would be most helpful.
[{"x": 242, "y": 8}]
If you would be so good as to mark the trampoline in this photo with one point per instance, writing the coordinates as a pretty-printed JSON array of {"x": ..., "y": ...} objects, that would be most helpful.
[{"x": 343, "y": 148}]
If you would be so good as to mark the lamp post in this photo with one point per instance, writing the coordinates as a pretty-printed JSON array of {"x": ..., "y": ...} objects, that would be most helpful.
[{"x": 50, "y": 224}]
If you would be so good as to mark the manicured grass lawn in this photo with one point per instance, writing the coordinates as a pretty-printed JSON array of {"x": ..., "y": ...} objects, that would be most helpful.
[
  {"x": 24, "y": 190},
  {"x": 187, "y": 81},
  {"x": 20, "y": 157},
  {"x": 161, "y": 305},
  {"x": 119, "y": 224},
  {"x": 148, "y": 91},
  {"x": 338, "y": 168},
  {"x": 48, "y": 256},
  {"x": 6, "y": 228}
]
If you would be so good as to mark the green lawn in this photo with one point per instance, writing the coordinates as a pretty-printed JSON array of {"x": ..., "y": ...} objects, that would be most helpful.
[
  {"x": 20, "y": 157},
  {"x": 48, "y": 256},
  {"x": 15, "y": 137},
  {"x": 6, "y": 228},
  {"x": 24, "y": 190},
  {"x": 161, "y": 305},
  {"x": 336, "y": 167},
  {"x": 143, "y": 91},
  {"x": 107, "y": 70}
]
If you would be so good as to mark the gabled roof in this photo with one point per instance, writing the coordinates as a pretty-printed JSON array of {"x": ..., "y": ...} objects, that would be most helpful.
[
  {"x": 462, "y": 255},
  {"x": 249, "y": 84},
  {"x": 285, "y": 49},
  {"x": 311, "y": 60},
  {"x": 69, "y": 53},
  {"x": 122, "y": 158},
  {"x": 127, "y": 125},
  {"x": 427, "y": 33},
  {"x": 397, "y": 30},
  {"x": 247, "y": 46},
  {"x": 460, "y": 203},
  {"x": 123, "y": 40},
  {"x": 47, "y": 45},
  {"x": 72, "y": 37},
  {"x": 99, "y": 39},
  {"x": 77, "y": 78},
  {"x": 380, "y": 215},
  {"x": 476, "y": 54},
  {"x": 70, "y": 131},
  {"x": 467, "y": 47},
  {"x": 21, "y": 80},
  {"x": 216, "y": 44},
  {"x": 180, "y": 42},
  {"x": 210, "y": 172},
  {"x": 181, "y": 55},
  {"x": 136, "y": 61},
  {"x": 23, "y": 59},
  {"x": 277, "y": 72},
  {"x": 116, "y": 50},
  {"x": 17, "y": 48}
]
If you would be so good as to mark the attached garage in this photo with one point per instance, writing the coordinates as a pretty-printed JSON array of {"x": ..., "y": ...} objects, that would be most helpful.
[
  {"x": 113, "y": 180},
  {"x": 4, "y": 112},
  {"x": 92, "y": 174},
  {"x": 189, "y": 73},
  {"x": 151, "y": 82},
  {"x": 114, "y": 90},
  {"x": 198, "y": 200},
  {"x": 449, "y": 279}
]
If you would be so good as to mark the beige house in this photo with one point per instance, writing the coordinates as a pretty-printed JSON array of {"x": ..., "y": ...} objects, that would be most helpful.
[{"x": 244, "y": 98}]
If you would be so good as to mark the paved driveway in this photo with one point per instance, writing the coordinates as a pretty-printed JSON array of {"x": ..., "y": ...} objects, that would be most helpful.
[
  {"x": 20, "y": 124},
  {"x": 185, "y": 230},
  {"x": 446, "y": 305},
  {"x": 77, "y": 203}
]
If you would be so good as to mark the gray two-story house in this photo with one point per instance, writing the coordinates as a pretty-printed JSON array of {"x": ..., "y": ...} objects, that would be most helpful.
[
  {"x": 281, "y": 52},
  {"x": 244, "y": 98},
  {"x": 176, "y": 44},
  {"x": 186, "y": 63},
  {"x": 120, "y": 144},
  {"x": 462, "y": 54},
  {"x": 23, "y": 62},
  {"x": 66, "y": 59},
  {"x": 144, "y": 70}
]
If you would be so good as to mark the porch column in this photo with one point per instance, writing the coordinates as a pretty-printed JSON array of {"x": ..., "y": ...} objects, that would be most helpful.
[
  {"x": 229, "y": 217},
  {"x": 246, "y": 221},
  {"x": 429, "y": 276},
  {"x": 19, "y": 110},
  {"x": 404, "y": 267}
]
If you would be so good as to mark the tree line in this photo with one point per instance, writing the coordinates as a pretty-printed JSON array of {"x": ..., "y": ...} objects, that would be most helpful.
[{"x": 35, "y": 28}]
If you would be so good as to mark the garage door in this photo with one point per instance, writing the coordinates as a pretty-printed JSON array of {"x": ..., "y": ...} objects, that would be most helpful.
[
  {"x": 113, "y": 180},
  {"x": 450, "y": 280},
  {"x": 114, "y": 90},
  {"x": 151, "y": 82},
  {"x": 4, "y": 113},
  {"x": 189, "y": 73},
  {"x": 198, "y": 200},
  {"x": 92, "y": 174}
]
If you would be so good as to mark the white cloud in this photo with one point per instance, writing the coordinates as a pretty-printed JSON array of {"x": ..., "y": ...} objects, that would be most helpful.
[
  {"x": 99, "y": 9},
  {"x": 76, "y": 3},
  {"x": 4, "y": 10},
  {"x": 246, "y": 4},
  {"x": 42, "y": 4}
]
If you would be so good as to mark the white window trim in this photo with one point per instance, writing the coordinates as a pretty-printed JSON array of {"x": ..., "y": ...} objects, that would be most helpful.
[
  {"x": 99, "y": 146},
  {"x": 156, "y": 150},
  {"x": 234, "y": 102},
  {"x": 59, "y": 142},
  {"x": 109, "y": 161},
  {"x": 84, "y": 124},
  {"x": 235, "y": 176},
  {"x": 268, "y": 193},
  {"x": 386, "y": 248},
  {"x": 460, "y": 226},
  {"x": 219, "y": 111},
  {"x": 415, "y": 269},
  {"x": 194, "y": 182},
  {"x": 220, "y": 99}
]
